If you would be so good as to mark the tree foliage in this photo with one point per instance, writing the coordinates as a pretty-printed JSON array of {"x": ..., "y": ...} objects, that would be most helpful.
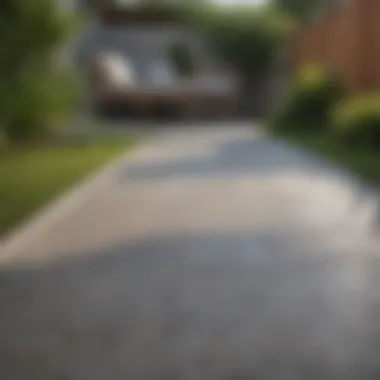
[
  {"x": 304, "y": 9},
  {"x": 31, "y": 32},
  {"x": 247, "y": 38}
]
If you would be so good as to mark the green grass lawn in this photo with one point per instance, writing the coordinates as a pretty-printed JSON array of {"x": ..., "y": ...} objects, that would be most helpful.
[
  {"x": 30, "y": 177},
  {"x": 361, "y": 162}
]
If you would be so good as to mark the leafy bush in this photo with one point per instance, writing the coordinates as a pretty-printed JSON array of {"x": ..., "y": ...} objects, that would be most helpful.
[
  {"x": 39, "y": 103},
  {"x": 356, "y": 121},
  {"x": 312, "y": 94}
]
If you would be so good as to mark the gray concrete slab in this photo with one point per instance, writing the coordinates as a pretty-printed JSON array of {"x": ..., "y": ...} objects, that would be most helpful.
[{"x": 212, "y": 253}]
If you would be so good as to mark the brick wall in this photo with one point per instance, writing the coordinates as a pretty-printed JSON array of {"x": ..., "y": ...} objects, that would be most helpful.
[{"x": 347, "y": 40}]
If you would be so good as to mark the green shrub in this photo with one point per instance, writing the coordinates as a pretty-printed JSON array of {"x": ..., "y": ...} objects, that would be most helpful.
[
  {"x": 356, "y": 121},
  {"x": 39, "y": 104},
  {"x": 312, "y": 93}
]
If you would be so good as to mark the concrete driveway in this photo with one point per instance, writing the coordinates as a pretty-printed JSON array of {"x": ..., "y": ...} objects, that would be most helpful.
[{"x": 213, "y": 253}]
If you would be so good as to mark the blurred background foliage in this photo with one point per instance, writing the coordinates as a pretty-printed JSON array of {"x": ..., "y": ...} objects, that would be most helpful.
[{"x": 34, "y": 87}]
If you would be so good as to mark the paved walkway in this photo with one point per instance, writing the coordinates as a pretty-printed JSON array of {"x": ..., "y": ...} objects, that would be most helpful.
[{"x": 213, "y": 253}]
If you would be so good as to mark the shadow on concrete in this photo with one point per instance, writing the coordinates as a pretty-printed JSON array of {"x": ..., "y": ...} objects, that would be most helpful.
[
  {"x": 254, "y": 159},
  {"x": 212, "y": 306},
  {"x": 235, "y": 158}
]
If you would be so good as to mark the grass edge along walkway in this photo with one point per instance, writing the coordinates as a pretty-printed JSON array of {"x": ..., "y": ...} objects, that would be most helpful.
[
  {"x": 365, "y": 164},
  {"x": 29, "y": 178}
]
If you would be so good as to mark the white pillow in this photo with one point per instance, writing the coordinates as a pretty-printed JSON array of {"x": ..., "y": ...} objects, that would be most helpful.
[{"x": 117, "y": 70}]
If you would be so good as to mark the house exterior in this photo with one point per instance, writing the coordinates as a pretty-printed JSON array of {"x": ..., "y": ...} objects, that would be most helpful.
[{"x": 124, "y": 56}]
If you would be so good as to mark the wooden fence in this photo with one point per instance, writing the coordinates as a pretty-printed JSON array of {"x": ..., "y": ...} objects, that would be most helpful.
[{"x": 347, "y": 41}]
